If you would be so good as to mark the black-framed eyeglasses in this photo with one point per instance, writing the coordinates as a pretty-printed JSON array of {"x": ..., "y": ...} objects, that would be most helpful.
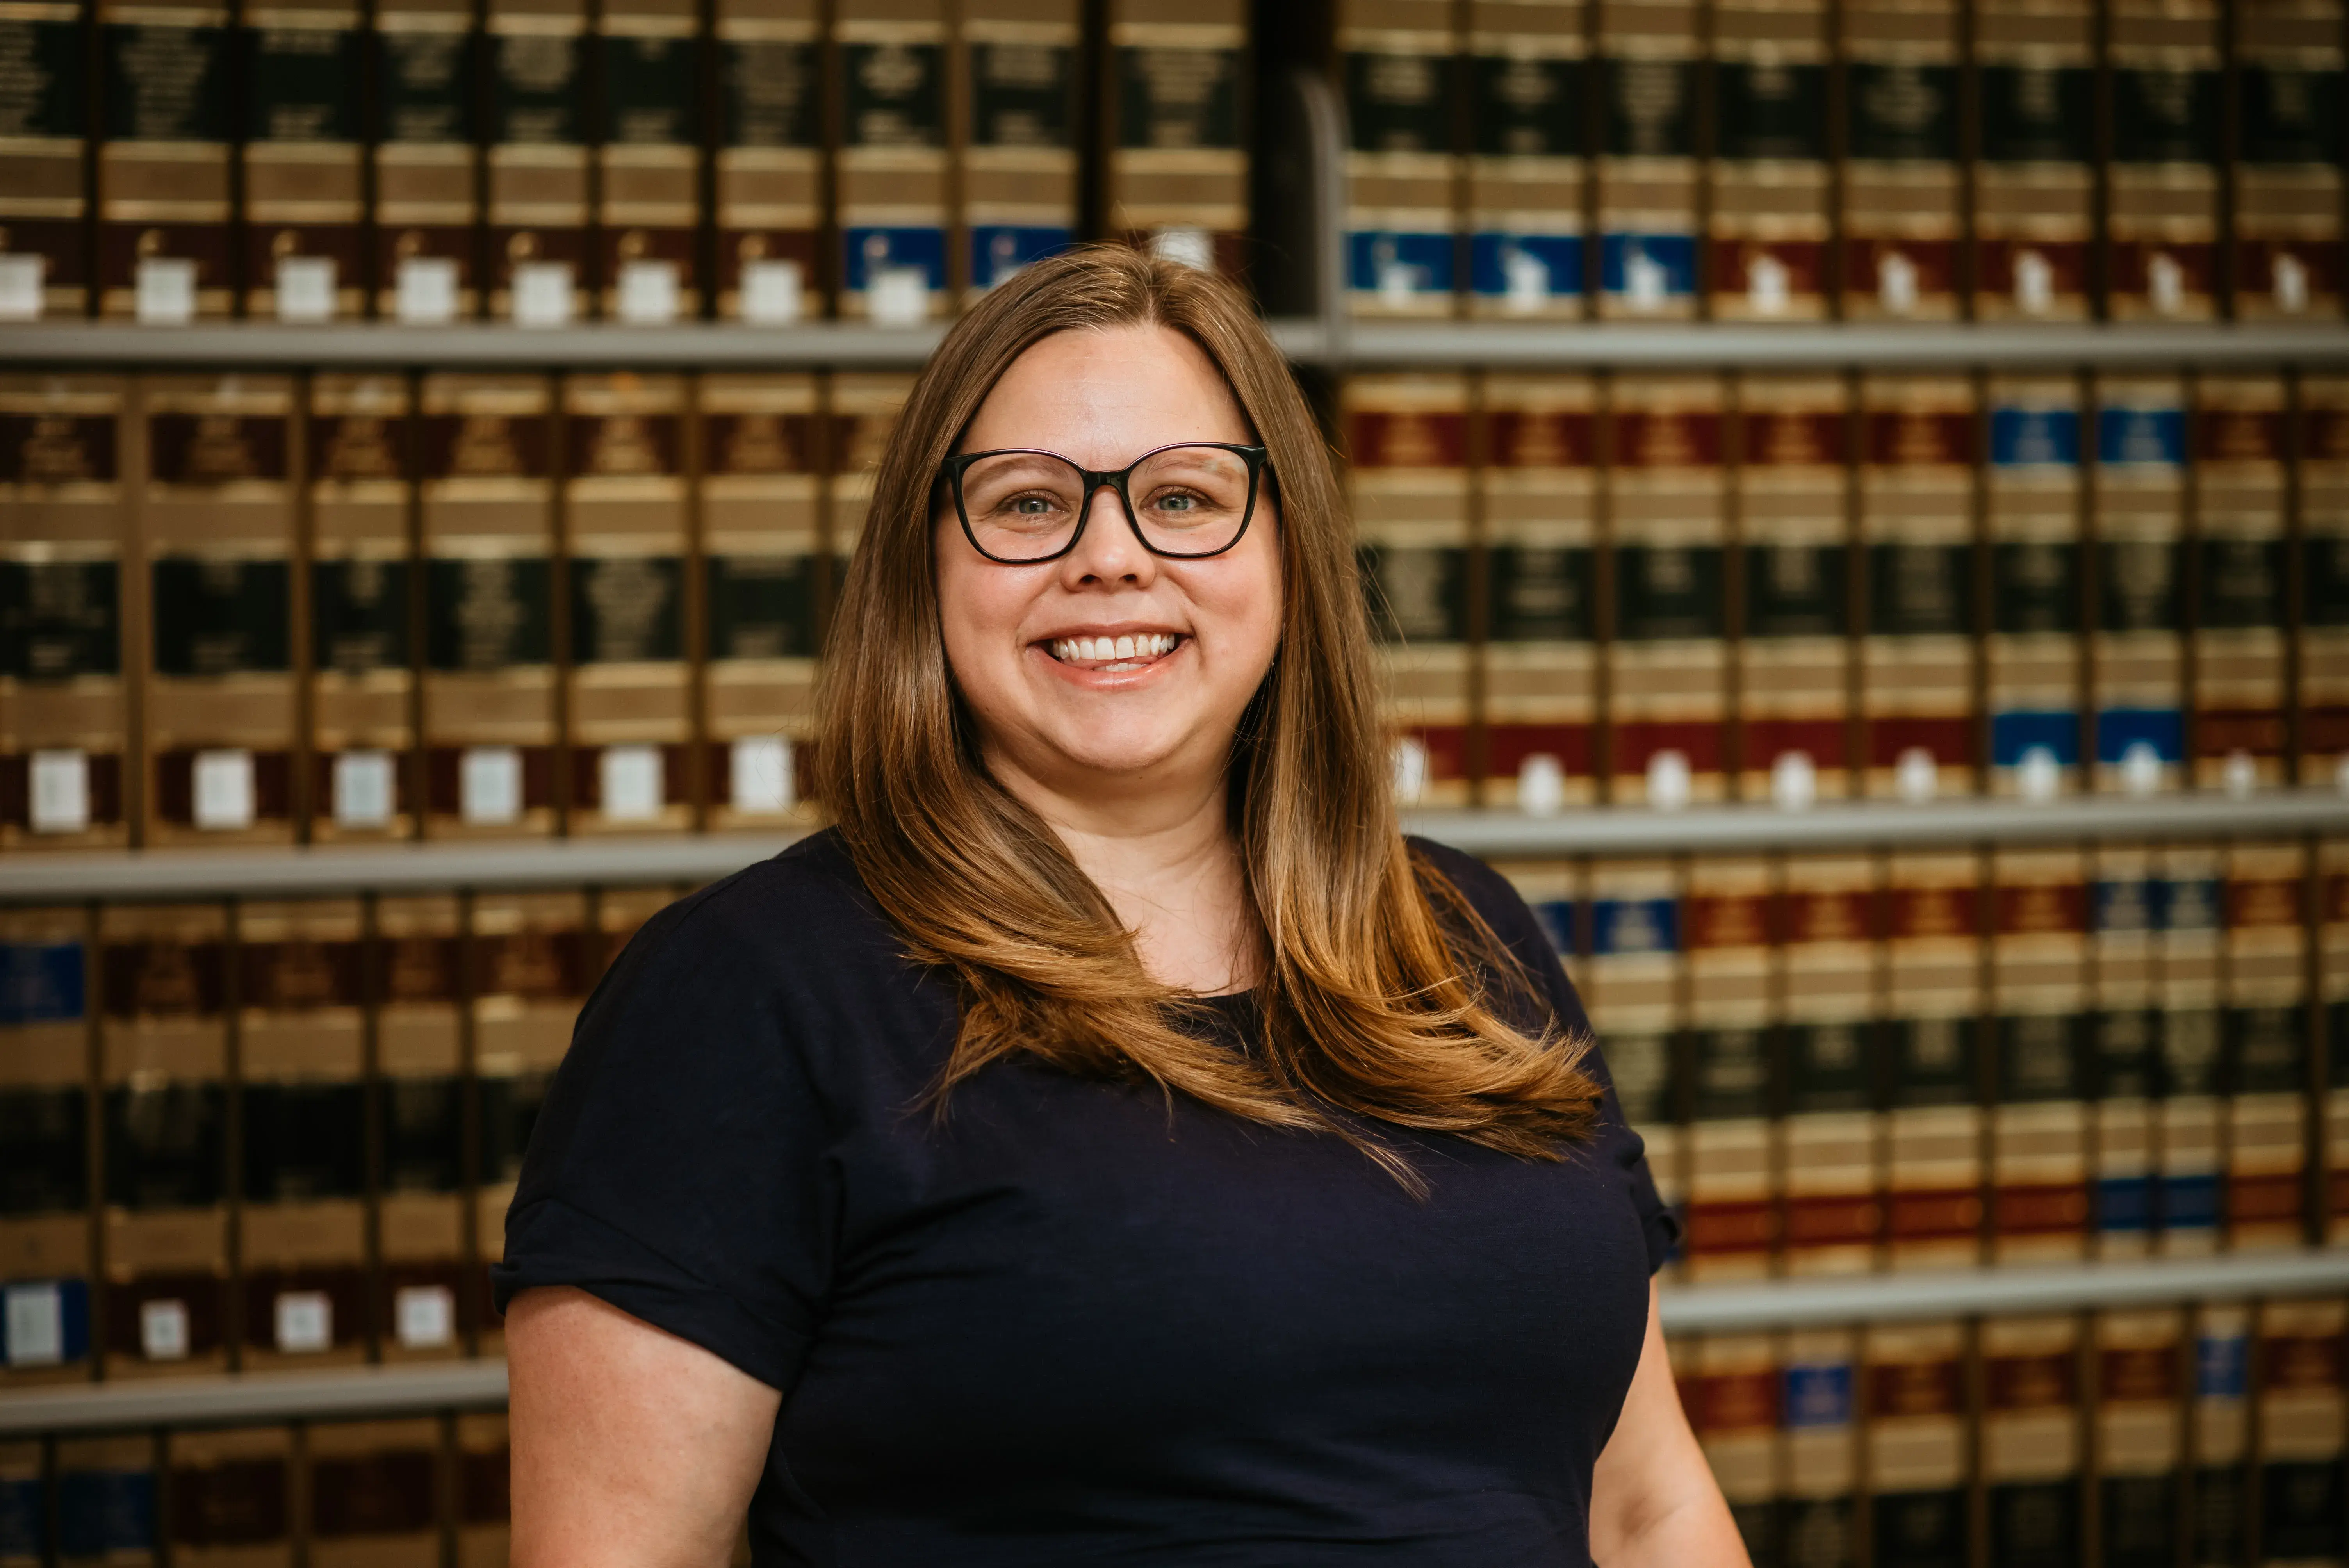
[{"x": 1184, "y": 503}]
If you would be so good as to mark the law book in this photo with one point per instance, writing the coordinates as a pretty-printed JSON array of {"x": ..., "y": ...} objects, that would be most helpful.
[
  {"x": 2218, "y": 1428},
  {"x": 427, "y": 73},
  {"x": 1903, "y": 222},
  {"x": 890, "y": 167},
  {"x": 24, "y": 1506},
  {"x": 1917, "y": 646},
  {"x": 361, "y": 695},
  {"x": 1831, "y": 1136},
  {"x": 1528, "y": 93},
  {"x": 2032, "y": 1439},
  {"x": 1406, "y": 444},
  {"x": 1734, "y": 1404},
  {"x": 529, "y": 955},
  {"x": 371, "y": 1491},
  {"x": 215, "y": 521},
  {"x": 486, "y": 458},
  {"x": 44, "y": 190},
  {"x": 1018, "y": 62},
  {"x": 422, "y": 1301},
  {"x": 483, "y": 1491},
  {"x": 1630, "y": 982},
  {"x": 2239, "y": 577},
  {"x": 163, "y": 1066},
  {"x": 2287, "y": 174},
  {"x": 1403, "y": 163},
  {"x": 1535, "y": 495},
  {"x": 2265, "y": 1072},
  {"x": 2040, "y": 985},
  {"x": 860, "y": 412},
  {"x": 301, "y": 1226},
  {"x": 1819, "y": 1448},
  {"x": 2322, "y": 697},
  {"x": 302, "y": 163},
  {"x": 1933, "y": 1116},
  {"x": 2300, "y": 1417},
  {"x": 232, "y": 1496},
  {"x": 107, "y": 1499},
  {"x": 1177, "y": 104},
  {"x": 166, "y": 247},
  {"x": 46, "y": 1266},
  {"x": 1793, "y": 668},
  {"x": 2190, "y": 1125},
  {"x": 1667, "y": 665},
  {"x": 769, "y": 161},
  {"x": 1734, "y": 1186},
  {"x": 648, "y": 158},
  {"x": 538, "y": 181},
  {"x": 1768, "y": 203},
  {"x": 2162, "y": 187},
  {"x": 2137, "y": 1440},
  {"x": 2333, "y": 980},
  {"x": 2034, "y": 651},
  {"x": 2034, "y": 177},
  {"x": 762, "y": 459},
  {"x": 2136, "y": 650},
  {"x": 1919, "y": 1461},
  {"x": 2125, "y": 913},
  {"x": 64, "y": 722},
  {"x": 629, "y": 720},
  {"x": 1647, "y": 173}
]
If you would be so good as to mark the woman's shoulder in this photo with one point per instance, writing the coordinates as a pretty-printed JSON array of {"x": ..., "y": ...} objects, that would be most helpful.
[
  {"x": 803, "y": 911},
  {"x": 1493, "y": 896}
]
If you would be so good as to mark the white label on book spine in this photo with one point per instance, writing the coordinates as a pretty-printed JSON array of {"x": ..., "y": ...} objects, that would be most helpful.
[
  {"x": 1896, "y": 283},
  {"x": 60, "y": 791},
  {"x": 897, "y": 296},
  {"x": 1793, "y": 781},
  {"x": 542, "y": 294},
  {"x": 1668, "y": 781},
  {"x": 424, "y": 1317},
  {"x": 488, "y": 785},
  {"x": 1527, "y": 280},
  {"x": 425, "y": 291},
  {"x": 770, "y": 293},
  {"x": 1916, "y": 776},
  {"x": 1193, "y": 247},
  {"x": 2038, "y": 776},
  {"x": 224, "y": 790},
  {"x": 35, "y": 1325},
  {"x": 2290, "y": 277},
  {"x": 305, "y": 1321},
  {"x": 2165, "y": 283},
  {"x": 1767, "y": 285},
  {"x": 1541, "y": 785},
  {"x": 163, "y": 1330},
  {"x": 1644, "y": 279},
  {"x": 2035, "y": 284},
  {"x": 306, "y": 288},
  {"x": 760, "y": 776},
  {"x": 21, "y": 279},
  {"x": 630, "y": 779},
  {"x": 165, "y": 294},
  {"x": 363, "y": 790},
  {"x": 648, "y": 293}
]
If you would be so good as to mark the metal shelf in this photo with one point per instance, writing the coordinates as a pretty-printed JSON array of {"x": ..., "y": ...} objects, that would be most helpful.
[
  {"x": 356, "y": 1392},
  {"x": 194, "y": 874},
  {"x": 388, "y": 346}
]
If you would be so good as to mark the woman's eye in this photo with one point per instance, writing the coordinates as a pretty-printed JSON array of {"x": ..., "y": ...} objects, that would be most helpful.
[
  {"x": 1176, "y": 503},
  {"x": 1031, "y": 506}
]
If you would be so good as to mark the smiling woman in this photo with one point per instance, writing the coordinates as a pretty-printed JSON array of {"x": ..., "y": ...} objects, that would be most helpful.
[{"x": 1112, "y": 1139}]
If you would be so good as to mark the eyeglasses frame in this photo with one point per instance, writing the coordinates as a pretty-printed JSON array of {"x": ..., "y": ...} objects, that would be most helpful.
[{"x": 1259, "y": 465}]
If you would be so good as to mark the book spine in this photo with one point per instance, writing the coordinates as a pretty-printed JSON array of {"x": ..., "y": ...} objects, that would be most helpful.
[
  {"x": 483, "y": 1506},
  {"x": 1903, "y": 226},
  {"x": 2322, "y": 694},
  {"x": 1918, "y": 1465},
  {"x": 2238, "y": 575},
  {"x": 1734, "y": 1184},
  {"x": 1406, "y": 440},
  {"x": 2032, "y": 1438},
  {"x": 648, "y": 160},
  {"x": 2139, "y": 1440},
  {"x": 361, "y": 696},
  {"x": 1917, "y": 646},
  {"x": 2039, "y": 1129},
  {"x": 304, "y": 166},
  {"x": 860, "y": 412},
  {"x": 216, "y": 523},
  {"x": 539, "y": 181},
  {"x": 486, "y": 462},
  {"x": 166, "y": 250},
  {"x": 2162, "y": 197},
  {"x": 429, "y": 61},
  {"x": 163, "y": 1056},
  {"x": 1768, "y": 215},
  {"x": 1631, "y": 984},
  {"x": 107, "y": 1496},
  {"x": 1647, "y": 169},
  {"x": 371, "y": 1490},
  {"x": 1933, "y": 1121},
  {"x": 2266, "y": 1046},
  {"x": 2219, "y": 1428},
  {"x": 43, "y": 195},
  {"x": 1536, "y": 495},
  {"x": 1818, "y": 1440},
  {"x": 45, "y": 1265},
  {"x": 2287, "y": 177},
  {"x": 230, "y": 1490},
  {"x": 1793, "y": 659},
  {"x": 421, "y": 1304},
  {"x": 2033, "y": 652},
  {"x": 1668, "y": 675},
  {"x": 2136, "y": 651},
  {"x": 2187, "y": 1137},
  {"x": 301, "y": 1113},
  {"x": 890, "y": 172},
  {"x": 1831, "y": 1136},
  {"x": 1020, "y": 62},
  {"x": 2332, "y": 971},
  {"x": 1403, "y": 162},
  {"x": 769, "y": 163},
  {"x": 2299, "y": 1420},
  {"x": 2124, "y": 917},
  {"x": 1528, "y": 76},
  {"x": 1179, "y": 91},
  {"x": 65, "y": 720},
  {"x": 1734, "y": 1404},
  {"x": 2034, "y": 181}
]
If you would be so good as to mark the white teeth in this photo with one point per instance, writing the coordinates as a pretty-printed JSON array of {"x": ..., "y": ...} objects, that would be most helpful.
[
  {"x": 1089, "y": 649},
  {"x": 1125, "y": 648}
]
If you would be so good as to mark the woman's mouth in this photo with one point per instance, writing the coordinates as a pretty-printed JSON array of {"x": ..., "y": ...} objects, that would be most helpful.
[{"x": 1114, "y": 654}]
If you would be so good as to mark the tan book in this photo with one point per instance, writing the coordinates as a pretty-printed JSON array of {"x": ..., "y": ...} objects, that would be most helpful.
[
  {"x": 45, "y": 1262},
  {"x": 1735, "y": 1168},
  {"x": 2161, "y": 188},
  {"x": 2038, "y": 1125},
  {"x": 1831, "y": 1138},
  {"x": 2266, "y": 1046},
  {"x": 1734, "y": 1405},
  {"x": 1017, "y": 65},
  {"x": 1536, "y": 492},
  {"x": 303, "y": 162},
  {"x": 1919, "y": 1460},
  {"x": 232, "y": 1497},
  {"x": 1917, "y": 646},
  {"x": 1528, "y": 74},
  {"x": 1933, "y": 1120},
  {"x": 2190, "y": 1126},
  {"x": 44, "y": 190},
  {"x": 2239, "y": 700},
  {"x": 1768, "y": 207},
  {"x": 1903, "y": 227},
  {"x": 165, "y": 244},
  {"x": 2031, "y": 1437},
  {"x": 1819, "y": 1444},
  {"x": 2287, "y": 175},
  {"x": 427, "y": 163},
  {"x": 538, "y": 179},
  {"x": 648, "y": 160},
  {"x": 2139, "y": 1435},
  {"x": 425, "y": 1295},
  {"x": 2033, "y": 656},
  {"x": 2219, "y": 1432},
  {"x": 372, "y": 1491},
  {"x": 2300, "y": 1424},
  {"x": 2333, "y": 980},
  {"x": 890, "y": 167},
  {"x": 2322, "y": 696},
  {"x": 2137, "y": 654},
  {"x": 483, "y": 1491},
  {"x": 861, "y": 414},
  {"x": 769, "y": 156},
  {"x": 2125, "y": 911},
  {"x": 1177, "y": 100},
  {"x": 1403, "y": 165},
  {"x": 1793, "y": 670},
  {"x": 2033, "y": 176},
  {"x": 1648, "y": 175},
  {"x": 1631, "y": 981}
]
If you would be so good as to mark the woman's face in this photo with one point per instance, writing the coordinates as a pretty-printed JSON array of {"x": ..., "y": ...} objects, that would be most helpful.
[{"x": 1016, "y": 636}]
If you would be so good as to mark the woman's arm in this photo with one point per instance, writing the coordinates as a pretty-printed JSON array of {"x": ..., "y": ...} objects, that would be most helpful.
[
  {"x": 1652, "y": 1498},
  {"x": 632, "y": 1448}
]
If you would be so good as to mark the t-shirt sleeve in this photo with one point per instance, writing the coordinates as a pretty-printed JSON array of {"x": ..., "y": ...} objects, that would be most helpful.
[{"x": 679, "y": 1169}]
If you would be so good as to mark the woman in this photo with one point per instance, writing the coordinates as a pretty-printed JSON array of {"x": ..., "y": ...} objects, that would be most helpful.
[{"x": 1111, "y": 1142}]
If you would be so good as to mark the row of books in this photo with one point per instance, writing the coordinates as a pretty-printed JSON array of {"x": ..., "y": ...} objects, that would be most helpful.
[
  {"x": 1764, "y": 159},
  {"x": 259, "y": 608},
  {"x": 635, "y": 160}
]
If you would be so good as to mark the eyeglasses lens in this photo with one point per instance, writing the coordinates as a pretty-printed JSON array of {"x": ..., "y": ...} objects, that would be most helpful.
[{"x": 1186, "y": 500}]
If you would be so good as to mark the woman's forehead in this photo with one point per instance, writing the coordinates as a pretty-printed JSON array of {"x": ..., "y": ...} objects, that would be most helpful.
[{"x": 1113, "y": 391}]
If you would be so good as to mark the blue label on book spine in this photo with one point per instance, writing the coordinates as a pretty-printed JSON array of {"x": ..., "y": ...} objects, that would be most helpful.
[
  {"x": 1398, "y": 265},
  {"x": 2013, "y": 735},
  {"x": 2222, "y": 1366},
  {"x": 1818, "y": 1394},
  {"x": 1525, "y": 269},
  {"x": 867, "y": 253},
  {"x": 2189, "y": 1202},
  {"x": 40, "y": 981},
  {"x": 999, "y": 250},
  {"x": 2134, "y": 903},
  {"x": 1556, "y": 917},
  {"x": 2125, "y": 1203},
  {"x": 1646, "y": 268},
  {"x": 2119, "y": 728},
  {"x": 1620, "y": 926},
  {"x": 2034, "y": 438},
  {"x": 103, "y": 1512},
  {"x": 2141, "y": 437}
]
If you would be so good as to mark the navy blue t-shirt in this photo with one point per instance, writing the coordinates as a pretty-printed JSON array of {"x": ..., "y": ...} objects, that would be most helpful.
[{"x": 1074, "y": 1324}]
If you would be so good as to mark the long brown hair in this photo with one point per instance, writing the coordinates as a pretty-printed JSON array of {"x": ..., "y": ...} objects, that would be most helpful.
[{"x": 1373, "y": 1002}]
